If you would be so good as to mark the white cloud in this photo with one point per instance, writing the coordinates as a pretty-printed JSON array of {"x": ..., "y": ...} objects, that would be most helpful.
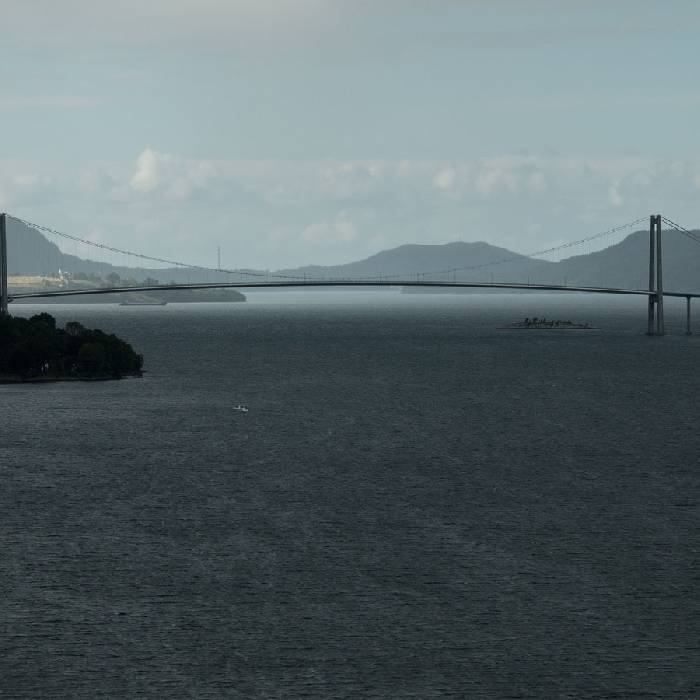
[
  {"x": 175, "y": 177},
  {"x": 148, "y": 171},
  {"x": 339, "y": 230},
  {"x": 496, "y": 177},
  {"x": 25, "y": 183},
  {"x": 614, "y": 194},
  {"x": 270, "y": 214}
]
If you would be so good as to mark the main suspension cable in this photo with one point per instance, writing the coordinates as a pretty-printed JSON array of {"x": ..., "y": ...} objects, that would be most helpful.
[
  {"x": 688, "y": 234},
  {"x": 249, "y": 273}
]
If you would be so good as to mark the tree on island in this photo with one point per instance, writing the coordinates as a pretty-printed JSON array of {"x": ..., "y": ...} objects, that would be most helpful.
[{"x": 35, "y": 348}]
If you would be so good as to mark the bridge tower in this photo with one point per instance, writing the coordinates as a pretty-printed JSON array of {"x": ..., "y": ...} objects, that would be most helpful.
[
  {"x": 656, "y": 286},
  {"x": 3, "y": 264}
]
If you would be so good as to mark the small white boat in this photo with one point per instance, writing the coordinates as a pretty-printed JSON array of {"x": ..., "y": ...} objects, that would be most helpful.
[{"x": 243, "y": 409}]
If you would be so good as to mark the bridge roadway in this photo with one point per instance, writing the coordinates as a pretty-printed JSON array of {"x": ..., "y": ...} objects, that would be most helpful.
[{"x": 348, "y": 283}]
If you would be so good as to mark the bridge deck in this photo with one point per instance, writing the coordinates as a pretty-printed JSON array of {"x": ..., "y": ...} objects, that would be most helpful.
[{"x": 347, "y": 283}]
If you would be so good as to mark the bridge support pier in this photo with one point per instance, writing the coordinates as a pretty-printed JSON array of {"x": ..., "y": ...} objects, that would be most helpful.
[
  {"x": 660, "y": 328},
  {"x": 652, "y": 274},
  {"x": 656, "y": 285},
  {"x": 3, "y": 265}
]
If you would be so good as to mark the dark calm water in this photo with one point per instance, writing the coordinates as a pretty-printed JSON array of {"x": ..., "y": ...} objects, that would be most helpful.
[{"x": 418, "y": 504}]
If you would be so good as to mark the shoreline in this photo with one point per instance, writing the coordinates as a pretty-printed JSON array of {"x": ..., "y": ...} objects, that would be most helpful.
[{"x": 6, "y": 379}]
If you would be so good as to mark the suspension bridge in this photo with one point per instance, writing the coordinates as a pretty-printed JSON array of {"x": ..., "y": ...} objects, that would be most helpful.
[{"x": 655, "y": 292}]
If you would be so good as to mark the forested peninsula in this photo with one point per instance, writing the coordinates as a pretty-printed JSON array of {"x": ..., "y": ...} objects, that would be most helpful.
[{"x": 35, "y": 349}]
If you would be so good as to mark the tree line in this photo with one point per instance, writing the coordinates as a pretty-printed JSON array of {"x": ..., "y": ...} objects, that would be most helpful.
[{"x": 35, "y": 348}]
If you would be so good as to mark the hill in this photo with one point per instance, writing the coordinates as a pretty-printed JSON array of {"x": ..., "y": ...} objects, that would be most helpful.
[
  {"x": 625, "y": 264},
  {"x": 406, "y": 261}
]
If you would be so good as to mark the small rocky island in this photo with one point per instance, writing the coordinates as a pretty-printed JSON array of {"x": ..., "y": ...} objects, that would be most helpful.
[
  {"x": 543, "y": 323},
  {"x": 35, "y": 349}
]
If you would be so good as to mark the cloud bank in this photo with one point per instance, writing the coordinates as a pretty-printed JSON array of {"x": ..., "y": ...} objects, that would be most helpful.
[{"x": 273, "y": 214}]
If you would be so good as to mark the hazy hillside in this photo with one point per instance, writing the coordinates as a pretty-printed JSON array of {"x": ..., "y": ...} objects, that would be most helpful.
[
  {"x": 30, "y": 253},
  {"x": 406, "y": 261},
  {"x": 627, "y": 264}
]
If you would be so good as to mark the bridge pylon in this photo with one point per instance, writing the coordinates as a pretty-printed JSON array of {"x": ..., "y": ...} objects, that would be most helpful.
[
  {"x": 656, "y": 324},
  {"x": 3, "y": 265}
]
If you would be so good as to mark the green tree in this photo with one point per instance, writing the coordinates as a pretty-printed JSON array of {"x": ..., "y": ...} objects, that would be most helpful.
[
  {"x": 92, "y": 358},
  {"x": 43, "y": 318}
]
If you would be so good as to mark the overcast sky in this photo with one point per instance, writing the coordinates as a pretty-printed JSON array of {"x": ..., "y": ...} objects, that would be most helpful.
[{"x": 322, "y": 131}]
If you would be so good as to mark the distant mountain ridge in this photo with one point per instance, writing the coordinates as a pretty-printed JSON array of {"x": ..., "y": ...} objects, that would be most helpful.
[
  {"x": 409, "y": 260},
  {"x": 622, "y": 265},
  {"x": 625, "y": 264}
]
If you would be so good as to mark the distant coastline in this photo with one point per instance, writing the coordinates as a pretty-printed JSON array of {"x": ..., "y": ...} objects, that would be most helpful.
[{"x": 175, "y": 296}]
